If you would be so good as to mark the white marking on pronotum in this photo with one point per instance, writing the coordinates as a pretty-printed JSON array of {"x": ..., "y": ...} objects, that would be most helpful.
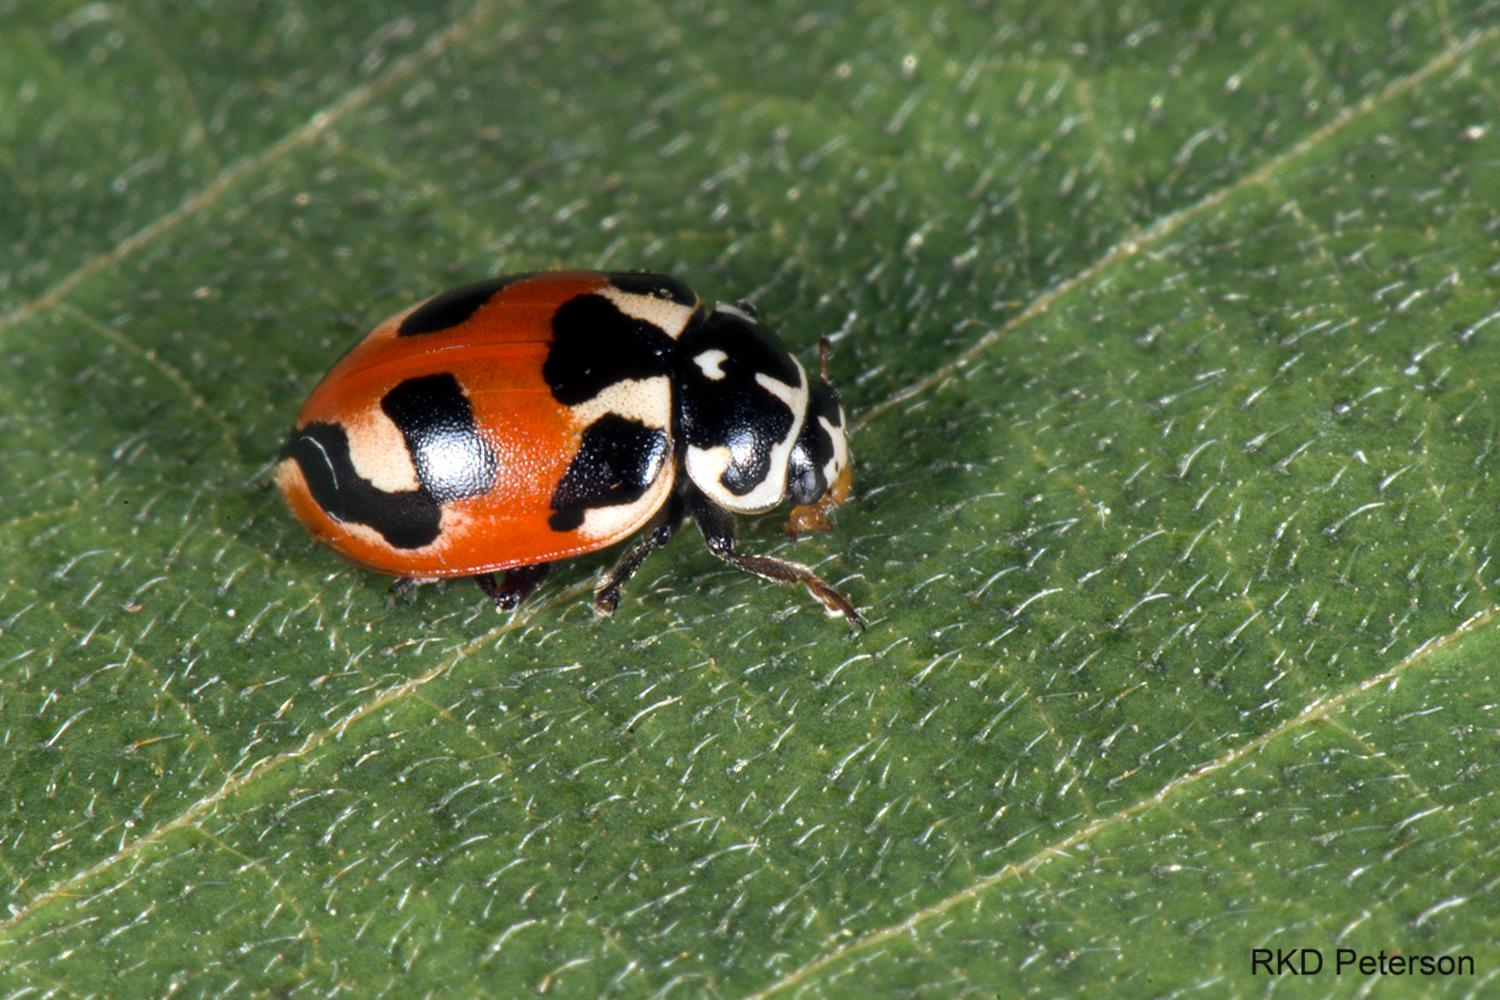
[
  {"x": 706, "y": 466},
  {"x": 734, "y": 310},
  {"x": 794, "y": 396},
  {"x": 712, "y": 363},
  {"x": 670, "y": 317},
  {"x": 840, "y": 450}
]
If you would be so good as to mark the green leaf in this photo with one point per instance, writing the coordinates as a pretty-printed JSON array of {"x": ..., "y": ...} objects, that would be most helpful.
[{"x": 1170, "y": 332}]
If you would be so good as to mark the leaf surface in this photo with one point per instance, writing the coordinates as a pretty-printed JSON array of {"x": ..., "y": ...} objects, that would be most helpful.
[{"x": 1169, "y": 331}]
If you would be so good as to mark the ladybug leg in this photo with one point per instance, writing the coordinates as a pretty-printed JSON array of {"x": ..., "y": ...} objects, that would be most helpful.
[
  {"x": 658, "y": 533},
  {"x": 717, "y": 526},
  {"x": 400, "y": 587},
  {"x": 519, "y": 584}
]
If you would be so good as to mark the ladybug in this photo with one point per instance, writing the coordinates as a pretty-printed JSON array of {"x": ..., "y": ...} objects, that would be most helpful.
[{"x": 513, "y": 423}]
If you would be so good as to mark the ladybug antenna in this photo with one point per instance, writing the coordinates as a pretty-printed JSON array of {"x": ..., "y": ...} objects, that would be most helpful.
[{"x": 825, "y": 351}]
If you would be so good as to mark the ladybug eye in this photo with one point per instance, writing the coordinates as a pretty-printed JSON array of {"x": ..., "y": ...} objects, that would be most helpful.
[
  {"x": 821, "y": 451},
  {"x": 803, "y": 482}
]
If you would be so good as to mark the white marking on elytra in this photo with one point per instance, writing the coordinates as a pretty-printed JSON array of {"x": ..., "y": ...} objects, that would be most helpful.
[
  {"x": 608, "y": 523},
  {"x": 288, "y": 476},
  {"x": 647, "y": 401},
  {"x": 668, "y": 316},
  {"x": 378, "y": 452},
  {"x": 712, "y": 363},
  {"x": 387, "y": 328},
  {"x": 453, "y": 524},
  {"x": 368, "y": 535}
]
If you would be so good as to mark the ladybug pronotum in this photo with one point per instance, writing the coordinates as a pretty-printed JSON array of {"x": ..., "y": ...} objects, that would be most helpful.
[{"x": 510, "y": 424}]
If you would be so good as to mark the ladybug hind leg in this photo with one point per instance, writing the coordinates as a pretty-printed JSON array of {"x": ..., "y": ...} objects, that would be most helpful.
[
  {"x": 518, "y": 584},
  {"x": 658, "y": 533},
  {"x": 717, "y": 526}
]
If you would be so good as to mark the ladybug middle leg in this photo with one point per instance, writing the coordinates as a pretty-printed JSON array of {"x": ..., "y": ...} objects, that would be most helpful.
[
  {"x": 658, "y": 533},
  {"x": 519, "y": 584},
  {"x": 717, "y": 526}
]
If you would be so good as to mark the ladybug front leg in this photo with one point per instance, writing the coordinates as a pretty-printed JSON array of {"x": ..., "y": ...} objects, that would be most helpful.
[
  {"x": 658, "y": 533},
  {"x": 519, "y": 584},
  {"x": 717, "y": 526}
]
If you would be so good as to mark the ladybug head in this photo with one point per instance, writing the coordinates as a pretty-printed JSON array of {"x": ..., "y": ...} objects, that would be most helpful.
[{"x": 818, "y": 471}]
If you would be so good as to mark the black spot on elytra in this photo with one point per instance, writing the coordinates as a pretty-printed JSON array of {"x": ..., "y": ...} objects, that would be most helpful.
[
  {"x": 595, "y": 345},
  {"x": 617, "y": 461},
  {"x": 452, "y": 458},
  {"x": 407, "y": 520},
  {"x": 658, "y": 286},
  {"x": 450, "y": 308},
  {"x": 735, "y": 411},
  {"x": 805, "y": 480}
]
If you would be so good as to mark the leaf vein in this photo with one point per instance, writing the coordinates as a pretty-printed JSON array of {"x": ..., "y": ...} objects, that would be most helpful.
[
  {"x": 316, "y": 125},
  {"x": 1150, "y": 233},
  {"x": 1316, "y": 711},
  {"x": 206, "y": 805}
]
